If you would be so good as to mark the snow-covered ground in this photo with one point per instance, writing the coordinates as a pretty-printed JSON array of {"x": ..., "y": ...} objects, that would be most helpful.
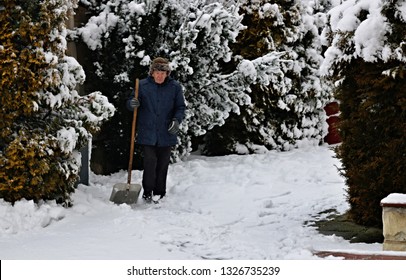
[{"x": 237, "y": 207}]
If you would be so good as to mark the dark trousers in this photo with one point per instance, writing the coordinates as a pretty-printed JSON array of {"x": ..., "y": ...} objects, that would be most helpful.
[{"x": 156, "y": 163}]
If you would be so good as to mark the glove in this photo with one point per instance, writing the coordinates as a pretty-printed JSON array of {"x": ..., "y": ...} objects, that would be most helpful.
[
  {"x": 174, "y": 126},
  {"x": 134, "y": 103}
]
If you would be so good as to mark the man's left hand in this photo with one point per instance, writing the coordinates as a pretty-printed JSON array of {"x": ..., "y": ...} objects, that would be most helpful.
[{"x": 174, "y": 127}]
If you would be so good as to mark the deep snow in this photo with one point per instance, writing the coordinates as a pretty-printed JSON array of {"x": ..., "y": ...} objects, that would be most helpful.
[{"x": 237, "y": 207}]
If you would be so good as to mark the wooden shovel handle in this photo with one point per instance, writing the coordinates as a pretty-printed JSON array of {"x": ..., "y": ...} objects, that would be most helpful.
[{"x": 130, "y": 163}]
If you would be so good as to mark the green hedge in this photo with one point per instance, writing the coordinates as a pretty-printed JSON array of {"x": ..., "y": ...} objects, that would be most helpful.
[{"x": 373, "y": 130}]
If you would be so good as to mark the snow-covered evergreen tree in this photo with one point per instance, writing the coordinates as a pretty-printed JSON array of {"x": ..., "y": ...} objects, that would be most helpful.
[
  {"x": 43, "y": 119},
  {"x": 366, "y": 60},
  {"x": 125, "y": 35},
  {"x": 283, "y": 48}
]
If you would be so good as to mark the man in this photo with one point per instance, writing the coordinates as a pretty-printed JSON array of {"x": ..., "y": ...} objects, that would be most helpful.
[{"x": 161, "y": 108}]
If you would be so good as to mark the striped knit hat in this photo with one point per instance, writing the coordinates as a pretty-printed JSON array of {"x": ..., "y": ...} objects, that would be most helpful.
[{"x": 160, "y": 64}]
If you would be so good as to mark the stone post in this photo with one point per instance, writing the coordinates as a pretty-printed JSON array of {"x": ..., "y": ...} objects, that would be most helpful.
[{"x": 394, "y": 222}]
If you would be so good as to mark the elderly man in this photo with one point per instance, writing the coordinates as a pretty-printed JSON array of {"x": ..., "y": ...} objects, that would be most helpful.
[{"x": 161, "y": 108}]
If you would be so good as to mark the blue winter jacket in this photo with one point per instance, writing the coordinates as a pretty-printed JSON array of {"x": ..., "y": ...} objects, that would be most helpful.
[{"x": 159, "y": 104}]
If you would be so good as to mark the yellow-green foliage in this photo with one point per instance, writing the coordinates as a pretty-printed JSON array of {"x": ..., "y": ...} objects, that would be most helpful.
[
  {"x": 31, "y": 165},
  {"x": 30, "y": 171},
  {"x": 19, "y": 68}
]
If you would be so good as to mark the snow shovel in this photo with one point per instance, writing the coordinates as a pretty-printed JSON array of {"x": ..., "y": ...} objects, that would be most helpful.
[{"x": 122, "y": 192}]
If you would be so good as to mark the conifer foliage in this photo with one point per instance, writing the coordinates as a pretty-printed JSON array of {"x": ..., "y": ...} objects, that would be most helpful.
[
  {"x": 367, "y": 57},
  {"x": 282, "y": 43},
  {"x": 44, "y": 121}
]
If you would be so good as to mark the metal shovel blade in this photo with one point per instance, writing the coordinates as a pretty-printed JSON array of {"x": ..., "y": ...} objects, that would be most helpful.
[{"x": 125, "y": 193}]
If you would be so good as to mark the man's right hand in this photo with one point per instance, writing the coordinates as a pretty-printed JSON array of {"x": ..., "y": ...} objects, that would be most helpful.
[{"x": 134, "y": 103}]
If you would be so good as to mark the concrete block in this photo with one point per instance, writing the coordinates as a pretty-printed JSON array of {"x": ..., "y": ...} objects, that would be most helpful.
[{"x": 394, "y": 222}]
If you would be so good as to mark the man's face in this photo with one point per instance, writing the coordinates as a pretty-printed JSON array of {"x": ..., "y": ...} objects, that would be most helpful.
[{"x": 159, "y": 76}]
